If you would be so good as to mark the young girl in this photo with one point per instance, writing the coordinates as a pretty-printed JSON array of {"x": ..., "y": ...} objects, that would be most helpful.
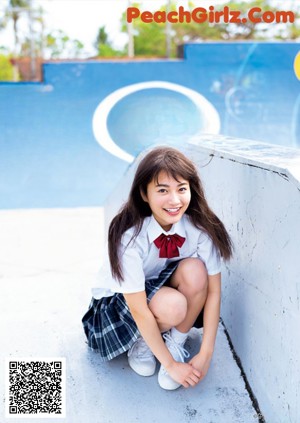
[{"x": 163, "y": 276}]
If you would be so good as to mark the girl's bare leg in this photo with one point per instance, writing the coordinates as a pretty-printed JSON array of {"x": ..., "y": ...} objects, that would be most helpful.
[
  {"x": 190, "y": 279},
  {"x": 169, "y": 307}
]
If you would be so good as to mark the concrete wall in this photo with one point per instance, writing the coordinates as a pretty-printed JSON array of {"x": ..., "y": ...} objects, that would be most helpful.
[{"x": 255, "y": 190}]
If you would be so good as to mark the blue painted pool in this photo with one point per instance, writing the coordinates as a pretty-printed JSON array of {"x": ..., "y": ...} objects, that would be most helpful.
[
  {"x": 147, "y": 115},
  {"x": 50, "y": 155}
]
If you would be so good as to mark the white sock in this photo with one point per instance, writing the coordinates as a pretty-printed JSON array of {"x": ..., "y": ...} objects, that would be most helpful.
[{"x": 179, "y": 337}]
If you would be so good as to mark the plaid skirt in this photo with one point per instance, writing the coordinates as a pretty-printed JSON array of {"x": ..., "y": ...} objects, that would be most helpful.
[{"x": 109, "y": 325}]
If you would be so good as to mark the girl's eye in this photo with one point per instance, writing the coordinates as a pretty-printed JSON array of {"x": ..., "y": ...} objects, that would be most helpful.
[
  {"x": 182, "y": 189},
  {"x": 163, "y": 190}
]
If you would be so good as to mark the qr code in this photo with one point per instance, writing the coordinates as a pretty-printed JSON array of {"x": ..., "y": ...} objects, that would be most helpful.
[{"x": 35, "y": 387}]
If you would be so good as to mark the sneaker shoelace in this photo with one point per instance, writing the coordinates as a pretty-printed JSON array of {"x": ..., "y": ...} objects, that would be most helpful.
[
  {"x": 142, "y": 350},
  {"x": 179, "y": 353}
]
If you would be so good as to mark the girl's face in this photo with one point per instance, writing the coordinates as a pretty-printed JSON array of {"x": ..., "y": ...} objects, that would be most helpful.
[{"x": 168, "y": 199}]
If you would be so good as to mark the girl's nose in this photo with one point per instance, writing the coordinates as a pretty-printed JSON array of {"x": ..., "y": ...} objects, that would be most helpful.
[{"x": 174, "y": 199}]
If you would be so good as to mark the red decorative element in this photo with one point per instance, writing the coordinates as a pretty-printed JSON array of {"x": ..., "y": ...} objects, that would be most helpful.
[{"x": 168, "y": 245}]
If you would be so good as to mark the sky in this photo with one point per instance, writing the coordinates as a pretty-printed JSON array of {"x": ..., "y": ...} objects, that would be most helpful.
[{"x": 81, "y": 19}]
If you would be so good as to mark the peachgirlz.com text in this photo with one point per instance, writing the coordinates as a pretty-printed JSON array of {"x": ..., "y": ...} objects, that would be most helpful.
[{"x": 201, "y": 15}]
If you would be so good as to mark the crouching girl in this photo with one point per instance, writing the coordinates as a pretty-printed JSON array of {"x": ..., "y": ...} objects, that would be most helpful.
[{"x": 163, "y": 278}]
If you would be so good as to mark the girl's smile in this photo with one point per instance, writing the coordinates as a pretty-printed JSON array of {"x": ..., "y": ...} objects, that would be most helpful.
[
  {"x": 173, "y": 212},
  {"x": 168, "y": 199}
]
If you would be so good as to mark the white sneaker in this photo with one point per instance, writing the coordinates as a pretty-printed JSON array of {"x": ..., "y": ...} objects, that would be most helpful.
[
  {"x": 179, "y": 354},
  {"x": 141, "y": 358}
]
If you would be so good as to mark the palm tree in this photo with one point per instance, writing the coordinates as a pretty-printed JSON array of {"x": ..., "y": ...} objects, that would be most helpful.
[{"x": 15, "y": 9}]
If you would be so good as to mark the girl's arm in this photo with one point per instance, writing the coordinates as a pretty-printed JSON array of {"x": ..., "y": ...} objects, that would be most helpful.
[
  {"x": 183, "y": 373},
  {"x": 201, "y": 361}
]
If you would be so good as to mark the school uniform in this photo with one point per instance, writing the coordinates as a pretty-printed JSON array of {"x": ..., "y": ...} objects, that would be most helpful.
[{"x": 108, "y": 324}]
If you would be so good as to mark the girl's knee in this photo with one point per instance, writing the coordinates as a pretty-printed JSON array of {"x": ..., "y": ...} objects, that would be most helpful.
[
  {"x": 192, "y": 275},
  {"x": 169, "y": 309},
  {"x": 177, "y": 308},
  {"x": 174, "y": 308}
]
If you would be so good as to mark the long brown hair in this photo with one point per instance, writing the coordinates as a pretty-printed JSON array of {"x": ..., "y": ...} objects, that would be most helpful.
[{"x": 133, "y": 212}]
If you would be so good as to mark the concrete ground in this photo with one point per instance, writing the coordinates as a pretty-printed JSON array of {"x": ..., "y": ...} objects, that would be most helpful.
[{"x": 48, "y": 259}]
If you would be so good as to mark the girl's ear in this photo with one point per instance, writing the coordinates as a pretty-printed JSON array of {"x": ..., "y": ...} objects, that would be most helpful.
[{"x": 143, "y": 195}]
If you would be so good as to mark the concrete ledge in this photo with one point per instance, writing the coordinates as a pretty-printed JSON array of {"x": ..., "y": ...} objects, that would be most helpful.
[
  {"x": 284, "y": 161},
  {"x": 255, "y": 189}
]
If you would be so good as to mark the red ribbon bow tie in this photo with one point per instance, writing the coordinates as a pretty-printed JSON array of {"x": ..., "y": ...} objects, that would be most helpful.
[{"x": 168, "y": 245}]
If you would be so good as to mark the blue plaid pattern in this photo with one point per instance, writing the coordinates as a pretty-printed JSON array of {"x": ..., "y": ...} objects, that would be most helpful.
[{"x": 109, "y": 325}]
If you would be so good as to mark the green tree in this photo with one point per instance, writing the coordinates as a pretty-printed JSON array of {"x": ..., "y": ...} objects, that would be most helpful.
[
  {"x": 104, "y": 46},
  {"x": 294, "y": 32},
  {"x": 102, "y": 37},
  {"x": 6, "y": 68},
  {"x": 35, "y": 41},
  {"x": 150, "y": 38},
  {"x": 59, "y": 45},
  {"x": 14, "y": 10},
  {"x": 255, "y": 30},
  {"x": 22, "y": 9}
]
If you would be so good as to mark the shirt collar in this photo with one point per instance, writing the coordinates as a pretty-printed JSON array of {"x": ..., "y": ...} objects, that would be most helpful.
[{"x": 154, "y": 229}]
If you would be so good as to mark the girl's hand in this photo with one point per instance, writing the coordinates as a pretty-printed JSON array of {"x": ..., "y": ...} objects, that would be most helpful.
[
  {"x": 201, "y": 362},
  {"x": 184, "y": 373}
]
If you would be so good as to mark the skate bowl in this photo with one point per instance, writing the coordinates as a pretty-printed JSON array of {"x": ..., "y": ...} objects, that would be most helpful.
[{"x": 67, "y": 141}]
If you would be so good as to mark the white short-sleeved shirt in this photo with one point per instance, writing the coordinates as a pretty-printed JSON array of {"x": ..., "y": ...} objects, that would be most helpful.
[{"x": 140, "y": 257}]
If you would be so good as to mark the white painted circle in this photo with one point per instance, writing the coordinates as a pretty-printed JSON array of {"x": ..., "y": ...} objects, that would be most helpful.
[{"x": 208, "y": 113}]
